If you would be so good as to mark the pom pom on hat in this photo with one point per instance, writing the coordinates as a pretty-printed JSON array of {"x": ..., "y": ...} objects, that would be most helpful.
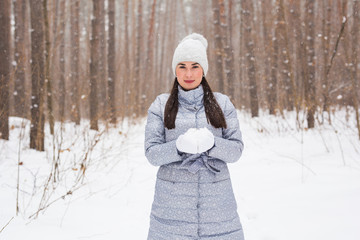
[
  {"x": 196, "y": 36},
  {"x": 192, "y": 49}
]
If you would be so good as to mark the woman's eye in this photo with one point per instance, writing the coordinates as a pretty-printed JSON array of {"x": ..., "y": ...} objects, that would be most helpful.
[
  {"x": 182, "y": 67},
  {"x": 195, "y": 66}
]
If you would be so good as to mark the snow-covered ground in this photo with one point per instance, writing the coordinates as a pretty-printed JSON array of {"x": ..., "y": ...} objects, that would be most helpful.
[{"x": 290, "y": 184}]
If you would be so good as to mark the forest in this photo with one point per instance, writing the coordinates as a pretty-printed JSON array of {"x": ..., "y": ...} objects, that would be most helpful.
[
  {"x": 104, "y": 61},
  {"x": 77, "y": 78}
]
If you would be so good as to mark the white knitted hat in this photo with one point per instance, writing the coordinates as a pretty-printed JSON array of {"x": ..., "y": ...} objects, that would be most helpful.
[{"x": 191, "y": 49}]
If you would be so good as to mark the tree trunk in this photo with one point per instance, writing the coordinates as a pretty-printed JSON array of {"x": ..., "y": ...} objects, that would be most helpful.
[
  {"x": 20, "y": 58},
  {"x": 224, "y": 43},
  {"x": 102, "y": 70},
  {"x": 218, "y": 51},
  {"x": 138, "y": 63},
  {"x": 5, "y": 66},
  {"x": 309, "y": 85},
  {"x": 288, "y": 82},
  {"x": 62, "y": 83},
  {"x": 150, "y": 54},
  {"x": 47, "y": 69},
  {"x": 354, "y": 63},
  {"x": 171, "y": 44},
  {"x": 326, "y": 27},
  {"x": 229, "y": 59},
  {"x": 126, "y": 72},
  {"x": 269, "y": 51},
  {"x": 272, "y": 86},
  {"x": 75, "y": 58},
  {"x": 247, "y": 10},
  {"x": 37, "y": 76},
  {"x": 94, "y": 65},
  {"x": 164, "y": 39},
  {"x": 111, "y": 62},
  {"x": 299, "y": 50}
]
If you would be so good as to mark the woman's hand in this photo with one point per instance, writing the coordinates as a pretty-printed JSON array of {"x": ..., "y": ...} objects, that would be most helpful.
[{"x": 195, "y": 141}]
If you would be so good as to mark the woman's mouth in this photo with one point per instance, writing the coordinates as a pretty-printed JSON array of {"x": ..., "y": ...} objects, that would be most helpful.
[{"x": 189, "y": 81}]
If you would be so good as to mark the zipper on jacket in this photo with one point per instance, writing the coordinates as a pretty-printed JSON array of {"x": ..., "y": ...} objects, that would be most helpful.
[
  {"x": 196, "y": 116},
  {"x": 198, "y": 205}
]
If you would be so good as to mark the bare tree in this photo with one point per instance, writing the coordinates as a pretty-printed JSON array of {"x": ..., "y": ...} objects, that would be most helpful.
[
  {"x": 5, "y": 63},
  {"x": 326, "y": 34},
  {"x": 247, "y": 10},
  {"x": 47, "y": 69},
  {"x": 37, "y": 75},
  {"x": 309, "y": 81},
  {"x": 229, "y": 51},
  {"x": 218, "y": 51},
  {"x": 288, "y": 82},
  {"x": 170, "y": 44},
  {"x": 94, "y": 65},
  {"x": 62, "y": 83},
  {"x": 126, "y": 60},
  {"x": 165, "y": 29},
  {"x": 52, "y": 86},
  {"x": 225, "y": 46},
  {"x": 102, "y": 68},
  {"x": 271, "y": 58},
  {"x": 75, "y": 58},
  {"x": 150, "y": 54},
  {"x": 111, "y": 62},
  {"x": 354, "y": 63},
  {"x": 20, "y": 58},
  {"x": 300, "y": 64}
]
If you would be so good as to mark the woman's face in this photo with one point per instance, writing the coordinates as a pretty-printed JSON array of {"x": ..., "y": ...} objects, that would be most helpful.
[{"x": 189, "y": 75}]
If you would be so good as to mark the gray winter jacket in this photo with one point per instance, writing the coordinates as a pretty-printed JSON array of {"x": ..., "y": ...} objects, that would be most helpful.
[{"x": 193, "y": 194}]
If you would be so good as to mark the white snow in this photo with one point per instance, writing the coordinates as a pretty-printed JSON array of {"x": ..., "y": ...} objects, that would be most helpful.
[{"x": 289, "y": 184}]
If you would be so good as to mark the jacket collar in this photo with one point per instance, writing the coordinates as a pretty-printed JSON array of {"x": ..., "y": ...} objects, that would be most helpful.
[{"x": 192, "y": 97}]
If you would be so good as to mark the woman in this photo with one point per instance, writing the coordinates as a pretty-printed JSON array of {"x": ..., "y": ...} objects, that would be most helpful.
[{"x": 192, "y": 134}]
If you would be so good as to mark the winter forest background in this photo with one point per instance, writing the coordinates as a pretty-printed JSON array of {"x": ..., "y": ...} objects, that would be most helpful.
[
  {"x": 106, "y": 60},
  {"x": 73, "y": 72}
]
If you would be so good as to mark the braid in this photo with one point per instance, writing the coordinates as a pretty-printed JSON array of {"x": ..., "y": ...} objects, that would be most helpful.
[
  {"x": 214, "y": 113},
  {"x": 171, "y": 107}
]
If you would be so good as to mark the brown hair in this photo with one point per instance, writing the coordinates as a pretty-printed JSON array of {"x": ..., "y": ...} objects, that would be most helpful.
[{"x": 213, "y": 112}]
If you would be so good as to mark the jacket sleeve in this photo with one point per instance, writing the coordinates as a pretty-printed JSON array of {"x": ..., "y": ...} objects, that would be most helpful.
[
  {"x": 157, "y": 150},
  {"x": 229, "y": 147}
]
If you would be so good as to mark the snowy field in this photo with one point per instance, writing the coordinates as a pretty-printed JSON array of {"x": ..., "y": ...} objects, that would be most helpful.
[{"x": 290, "y": 184}]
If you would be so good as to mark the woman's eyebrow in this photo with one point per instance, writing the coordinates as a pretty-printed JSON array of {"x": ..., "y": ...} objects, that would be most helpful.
[{"x": 194, "y": 64}]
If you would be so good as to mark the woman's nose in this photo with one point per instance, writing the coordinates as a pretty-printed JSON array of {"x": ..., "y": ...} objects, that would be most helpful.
[{"x": 188, "y": 73}]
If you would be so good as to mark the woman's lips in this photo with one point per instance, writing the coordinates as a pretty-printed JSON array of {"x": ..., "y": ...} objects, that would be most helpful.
[{"x": 189, "y": 81}]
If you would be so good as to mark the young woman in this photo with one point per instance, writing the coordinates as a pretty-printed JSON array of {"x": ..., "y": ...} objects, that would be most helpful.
[{"x": 192, "y": 134}]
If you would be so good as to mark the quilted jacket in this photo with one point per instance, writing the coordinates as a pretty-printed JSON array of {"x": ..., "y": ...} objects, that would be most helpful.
[{"x": 194, "y": 200}]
